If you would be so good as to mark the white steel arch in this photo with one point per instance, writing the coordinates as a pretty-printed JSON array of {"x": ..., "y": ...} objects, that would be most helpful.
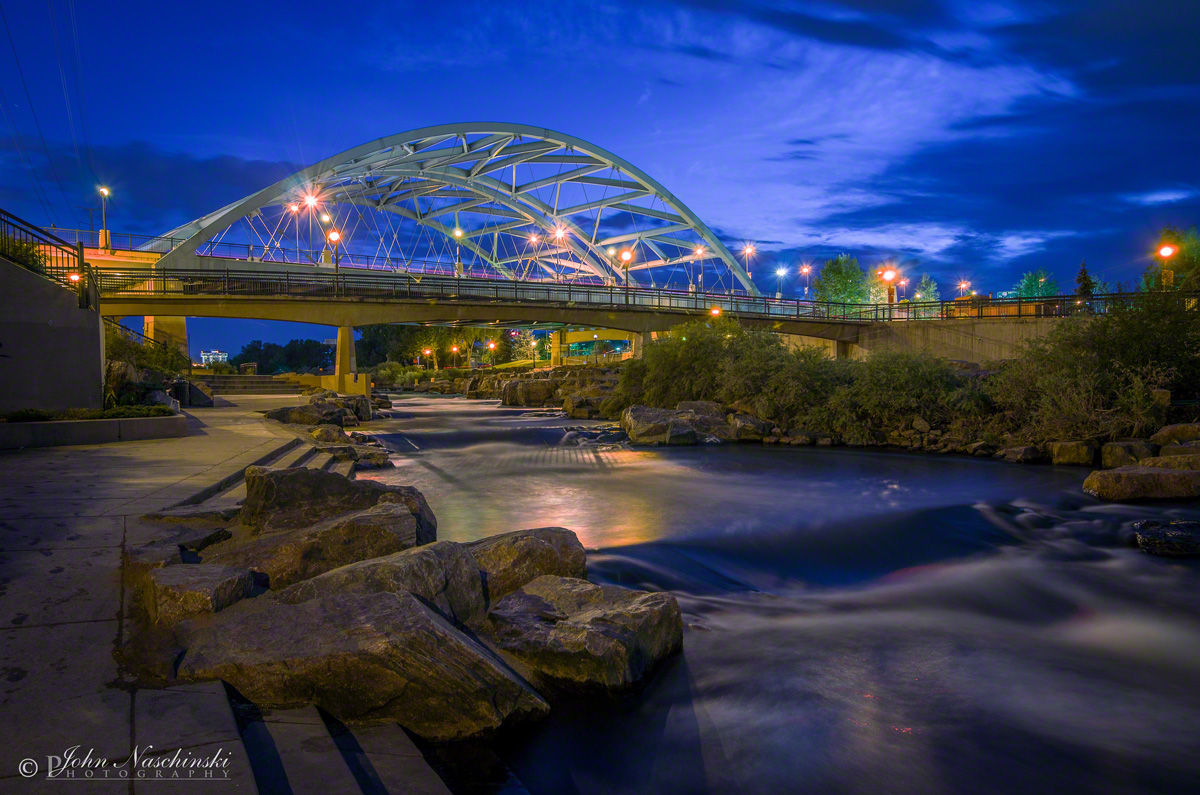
[{"x": 514, "y": 197}]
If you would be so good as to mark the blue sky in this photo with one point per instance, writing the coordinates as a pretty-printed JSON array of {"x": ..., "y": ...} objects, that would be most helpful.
[{"x": 966, "y": 139}]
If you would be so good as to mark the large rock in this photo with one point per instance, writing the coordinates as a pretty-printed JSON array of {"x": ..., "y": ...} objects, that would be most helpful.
[
  {"x": 749, "y": 428},
  {"x": 703, "y": 408},
  {"x": 357, "y": 405},
  {"x": 1121, "y": 454},
  {"x": 361, "y": 657},
  {"x": 1027, "y": 454},
  {"x": 1172, "y": 462},
  {"x": 309, "y": 414},
  {"x": 1143, "y": 483},
  {"x": 1170, "y": 539},
  {"x": 187, "y": 590},
  {"x": 587, "y": 636},
  {"x": 1181, "y": 449},
  {"x": 443, "y": 574},
  {"x": 294, "y": 555},
  {"x": 509, "y": 560},
  {"x": 647, "y": 425},
  {"x": 1174, "y": 434},
  {"x": 298, "y": 497},
  {"x": 328, "y": 433},
  {"x": 1073, "y": 453}
]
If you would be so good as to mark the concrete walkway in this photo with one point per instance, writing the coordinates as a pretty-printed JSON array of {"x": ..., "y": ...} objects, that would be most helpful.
[{"x": 68, "y": 512}]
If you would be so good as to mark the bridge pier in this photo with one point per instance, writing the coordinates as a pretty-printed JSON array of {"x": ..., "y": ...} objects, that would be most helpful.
[
  {"x": 168, "y": 331},
  {"x": 345, "y": 364},
  {"x": 558, "y": 347},
  {"x": 639, "y": 341}
]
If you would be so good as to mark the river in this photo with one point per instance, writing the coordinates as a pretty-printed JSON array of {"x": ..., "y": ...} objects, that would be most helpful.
[{"x": 856, "y": 621}]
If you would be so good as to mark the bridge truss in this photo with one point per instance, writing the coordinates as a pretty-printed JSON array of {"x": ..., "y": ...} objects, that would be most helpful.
[{"x": 487, "y": 200}]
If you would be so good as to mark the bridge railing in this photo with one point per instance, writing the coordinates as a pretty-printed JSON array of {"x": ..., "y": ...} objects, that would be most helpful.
[{"x": 400, "y": 286}]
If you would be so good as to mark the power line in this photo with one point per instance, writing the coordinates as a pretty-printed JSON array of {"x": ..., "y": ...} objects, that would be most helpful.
[
  {"x": 37, "y": 187},
  {"x": 29, "y": 99},
  {"x": 62, "y": 75},
  {"x": 87, "y": 144}
]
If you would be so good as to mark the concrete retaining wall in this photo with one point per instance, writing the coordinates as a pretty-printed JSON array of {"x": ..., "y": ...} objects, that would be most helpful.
[
  {"x": 57, "y": 434},
  {"x": 51, "y": 351},
  {"x": 971, "y": 340}
]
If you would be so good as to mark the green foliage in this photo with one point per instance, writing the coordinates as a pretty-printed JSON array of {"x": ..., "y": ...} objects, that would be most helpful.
[
  {"x": 1036, "y": 284},
  {"x": 1084, "y": 284},
  {"x": 523, "y": 347},
  {"x": 164, "y": 358},
  {"x": 399, "y": 343},
  {"x": 223, "y": 368},
  {"x": 1184, "y": 264},
  {"x": 115, "y": 413},
  {"x": 25, "y": 253},
  {"x": 840, "y": 281},
  {"x": 297, "y": 356}
]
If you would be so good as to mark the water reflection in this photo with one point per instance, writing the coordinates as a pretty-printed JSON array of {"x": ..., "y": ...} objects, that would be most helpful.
[{"x": 856, "y": 621}]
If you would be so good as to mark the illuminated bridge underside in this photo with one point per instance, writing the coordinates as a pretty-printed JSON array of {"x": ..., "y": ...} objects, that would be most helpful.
[{"x": 481, "y": 199}]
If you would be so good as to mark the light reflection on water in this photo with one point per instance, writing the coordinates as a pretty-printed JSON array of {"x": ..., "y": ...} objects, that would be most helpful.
[{"x": 857, "y": 621}]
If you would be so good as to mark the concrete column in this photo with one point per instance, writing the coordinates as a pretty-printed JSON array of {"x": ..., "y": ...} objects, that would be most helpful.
[
  {"x": 168, "y": 331},
  {"x": 345, "y": 366},
  {"x": 640, "y": 342},
  {"x": 558, "y": 347}
]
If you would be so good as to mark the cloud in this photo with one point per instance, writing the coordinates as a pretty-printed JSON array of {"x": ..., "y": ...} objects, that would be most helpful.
[{"x": 1161, "y": 197}]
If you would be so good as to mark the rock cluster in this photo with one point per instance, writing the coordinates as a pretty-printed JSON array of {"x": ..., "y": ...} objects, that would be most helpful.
[
  {"x": 1165, "y": 467},
  {"x": 334, "y": 592},
  {"x": 577, "y": 389}
]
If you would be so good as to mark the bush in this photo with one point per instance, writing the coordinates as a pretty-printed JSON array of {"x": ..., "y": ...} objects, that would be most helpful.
[
  {"x": 118, "y": 347},
  {"x": 223, "y": 368},
  {"x": 115, "y": 413},
  {"x": 24, "y": 253}
]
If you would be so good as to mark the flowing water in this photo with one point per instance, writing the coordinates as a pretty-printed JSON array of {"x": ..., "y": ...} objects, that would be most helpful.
[{"x": 856, "y": 621}]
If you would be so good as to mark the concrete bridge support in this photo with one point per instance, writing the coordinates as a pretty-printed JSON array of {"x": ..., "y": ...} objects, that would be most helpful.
[
  {"x": 168, "y": 331},
  {"x": 345, "y": 365},
  {"x": 974, "y": 340}
]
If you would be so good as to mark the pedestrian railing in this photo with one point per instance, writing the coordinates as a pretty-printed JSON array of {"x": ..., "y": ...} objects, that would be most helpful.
[
  {"x": 393, "y": 286},
  {"x": 49, "y": 256}
]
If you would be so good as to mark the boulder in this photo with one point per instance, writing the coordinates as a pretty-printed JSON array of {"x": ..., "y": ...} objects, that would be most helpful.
[
  {"x": 702, "y": 408},
  {"x": 749, "y": 428},
  {"x": 1174, "y": 434},
  {"x": 328, "y": 433},
  {"x": 510, "y": 560},
  {"x": 920, "y": 425},
  {"x": 646, "y": 425},
  {"x": 298, "y": 497},
  {"x": 1171, "y": 539},
  {"x": 587, "y": 636},
  {"x": 1027, "y": 454},
  {"x": 443, "y": 574},
  {"x": 361, "y": 657},
  {"x": 1121, "y": 454},
  {"x": 291, "y": 556},
  {"x": 1180, "y": 449},
  {"x": 309, "y": 414},
  {"x": 1143, "y": 483},
  {"x": 178, "y": 592},
  {"x": 981, "y": 449},
  {"x": 1073, "y": 453},
  {"x": 1172, "y": 462}
]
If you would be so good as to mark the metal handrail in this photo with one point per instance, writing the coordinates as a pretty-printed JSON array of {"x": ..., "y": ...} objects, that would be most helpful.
[
  {"x": 60, "y": 261},
  {"x": 399, "y": 286}
]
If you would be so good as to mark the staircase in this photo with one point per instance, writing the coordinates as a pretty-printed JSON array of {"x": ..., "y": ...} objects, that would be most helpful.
[{"x": 250, "y": 385}]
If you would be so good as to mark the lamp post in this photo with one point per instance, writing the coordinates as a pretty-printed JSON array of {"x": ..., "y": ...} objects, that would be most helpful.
[
  {"x": 492, "y": 349},
  {"x": 626, "y": 256},
  {"x": 427, "y": 351},
  {"x": 888, "y": 275},
  {"x": 902, "y": 284},
  {"x": 747, "y": 252},
  {"x": 962, "y": 288},
  {"x": 700, "y": 273},
  {"x": 780, "y": 273},
  {"x": 1166, "y": 251},
  {"x": 806, "y": 270},
  {"x": 334, "y": 238},
  {"x": 458, "y": 251},
  {"x": 104, "y": 236},
  {"x": 454, "y": 350}
]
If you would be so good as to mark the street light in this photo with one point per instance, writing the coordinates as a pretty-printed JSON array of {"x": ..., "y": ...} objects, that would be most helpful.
[
  {"x": 715, "y": 312},
  {"x": 780, "y": 273},
  {"x": 1167, "y": 251},
  {"x": 747, "y": 252},
  {"x": 454, "y": 350},
  {"x": 334, "y": 237},
  {"x": 962, "y": 288},
  {"x": 310, "y": 200},
  {"x": 889, "y": 277},
  {"x": 806, "y": 270},
  {"x": 104, "y": 237},
  {"x": 492, "y": 348},
  {"x": 626, "y": 256}
]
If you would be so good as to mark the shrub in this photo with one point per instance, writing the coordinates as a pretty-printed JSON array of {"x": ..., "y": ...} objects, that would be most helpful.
[
  {"x": 24, "y": 253},
  {"x": 115, "y": 413},
  {"x": 223, "y": 368}
]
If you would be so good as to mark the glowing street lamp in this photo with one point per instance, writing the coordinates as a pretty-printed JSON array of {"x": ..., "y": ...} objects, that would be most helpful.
[
  {"x": 779, "y": 274},
  {"x": 747, "y": 252},
  {"x": 103, "y": 217},
  {"x": 626, "y": 256},
  {"x": 715, "y": 312},
  {"x": 334, "y": 237},
  {"x": 325, "y": 218},
  {"x": 492, "y": 348},
  {"x": 962, "y": 288},
  {"x": 310, "y": 200},
  {"x": 1167, "y": 251},
  {"x": 807, "y": 271},
  {"x": 888, "y": 275}
]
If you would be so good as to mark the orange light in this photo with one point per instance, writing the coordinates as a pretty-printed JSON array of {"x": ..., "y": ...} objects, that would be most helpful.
[
  {"x": 334, "y": 236},
  {"x": 458, "y": 233},
  {"x": 805, "y": 270},
  {"x": 324, "y": 218},
  {"x": 626, "y": 255},
  {"x": 748, "y": 250},
  {"x": 454, "y": 349},
  {"x": 963, "y": 285},
  {"x": 699, "y": 250},
  {"x": 427, "y": 351},
  {"x": 491, "y": 346},
  {"x": 293, "y": 207},
  {"x": 715, "y": 311},
  {"x": 533, "y": 238},
  {"x": 310, "y": 200},
  {"x": 558, "y": 233},
  {"x": 73, "y": 277},
  {"x": 888, "y": 275},
  {"x": 1167, "y": 251}
]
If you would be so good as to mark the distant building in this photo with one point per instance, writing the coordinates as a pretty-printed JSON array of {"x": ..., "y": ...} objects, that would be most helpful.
[{"x": 212, "y": 357}]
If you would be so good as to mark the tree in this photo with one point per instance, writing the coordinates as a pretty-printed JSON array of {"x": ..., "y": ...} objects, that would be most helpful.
[
  {"x": 1084, "y": 285},
  {"x": 840, "y": 281},
  {"x": 1183, "y": 265},
  {"x": 1036, "y": 284},
  {"x": 927, "y": 289},
  {"x": 523, "y": 347}
]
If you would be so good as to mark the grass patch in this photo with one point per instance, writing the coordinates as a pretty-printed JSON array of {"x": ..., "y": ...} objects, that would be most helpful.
[{"x": 115, "y": 413}]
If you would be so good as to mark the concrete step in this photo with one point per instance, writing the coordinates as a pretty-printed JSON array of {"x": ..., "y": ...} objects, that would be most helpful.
[
  {"x": 310, "y": 758},
  {"x": 344, "y": 468},
  {"x": 320, "y": 461},
  {"x": 387, "y": 758},
  {"x": 295, "y": 457}
]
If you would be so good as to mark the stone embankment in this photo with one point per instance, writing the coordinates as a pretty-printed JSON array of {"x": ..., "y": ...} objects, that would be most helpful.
[
  {"x": 322, "y": 422},
  {"x": 320, "y": 590}
]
